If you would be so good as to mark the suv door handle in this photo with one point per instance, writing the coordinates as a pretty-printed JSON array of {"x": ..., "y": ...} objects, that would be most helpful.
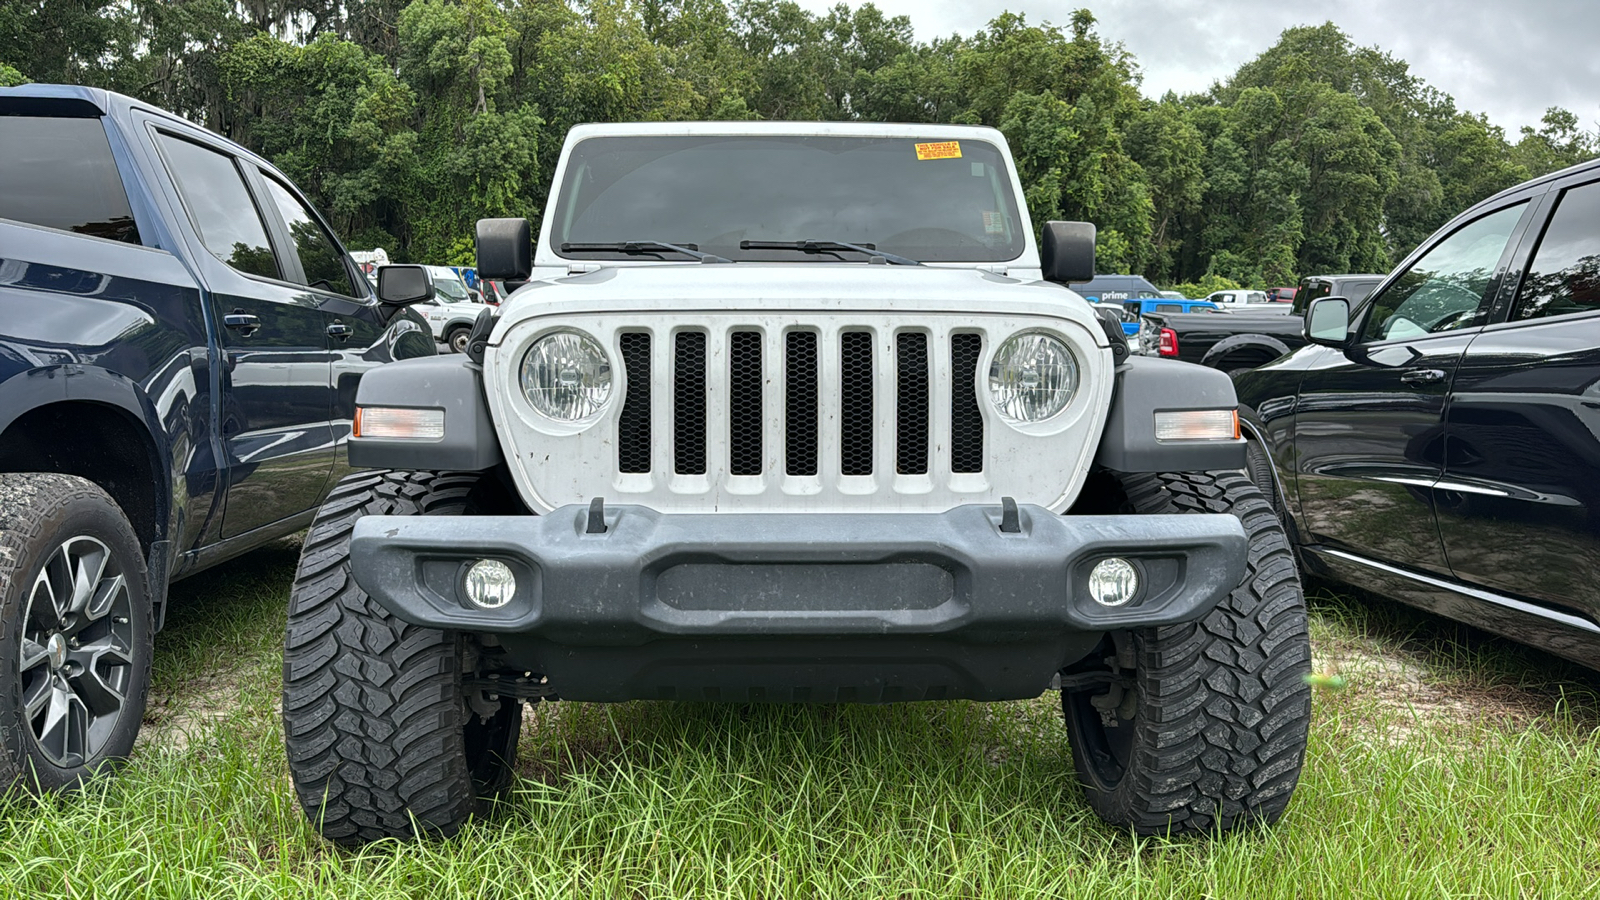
[
  {"x": 242, "y": 322},
  {"x": 1422, "y": 376},
  {"x": 340, "y": 331}
]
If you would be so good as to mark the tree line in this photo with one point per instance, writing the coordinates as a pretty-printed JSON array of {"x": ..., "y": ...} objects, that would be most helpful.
[{"x": 407, "y": 120}]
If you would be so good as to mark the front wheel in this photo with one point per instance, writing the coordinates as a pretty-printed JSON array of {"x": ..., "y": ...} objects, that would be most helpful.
[
  {"x": 456, "y": 339},
  {"x": 75, "y": 631},
  {"x": 1199, "y": 727},
  {"x": 383, "y": 739}
]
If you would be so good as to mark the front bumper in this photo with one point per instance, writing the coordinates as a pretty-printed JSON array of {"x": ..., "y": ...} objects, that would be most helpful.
[{"x": 797, "y": 606}]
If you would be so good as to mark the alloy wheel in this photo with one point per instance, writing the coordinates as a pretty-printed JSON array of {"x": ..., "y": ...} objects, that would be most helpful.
[{"x": 77, "y": 659}]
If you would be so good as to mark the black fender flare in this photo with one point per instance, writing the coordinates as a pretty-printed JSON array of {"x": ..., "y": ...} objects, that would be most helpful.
[
  {"x": 1147, "y": 385},
  {"x": 1252, "y": 341},
  {"x": 452, "y": 383}
]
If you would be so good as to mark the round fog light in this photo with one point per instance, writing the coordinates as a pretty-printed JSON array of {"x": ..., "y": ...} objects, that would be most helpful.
[
  {"x": 490, "y": 584},
  {"x": 1113, "y": 582}
]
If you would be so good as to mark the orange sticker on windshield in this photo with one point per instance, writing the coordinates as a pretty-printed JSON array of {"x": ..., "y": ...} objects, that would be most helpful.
[{"x": 939, "y": 150}]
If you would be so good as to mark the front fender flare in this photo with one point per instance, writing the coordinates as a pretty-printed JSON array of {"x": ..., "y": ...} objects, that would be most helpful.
[
  {"x": 1147, "y": 385},
  {"x": 1227, "y": 345},
  {"x": 451, "y": 383}
]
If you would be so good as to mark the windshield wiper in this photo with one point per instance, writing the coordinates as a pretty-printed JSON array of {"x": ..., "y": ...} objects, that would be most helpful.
[
  {"x": 828, "y": 247},
  {"x": 636, "y": 247}
]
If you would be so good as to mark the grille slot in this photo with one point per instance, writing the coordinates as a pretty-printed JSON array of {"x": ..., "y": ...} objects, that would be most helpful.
[
  {"x": 855, "y": 403},
  {"x": 911, "y": 409},
  {"x": 689, "y": 404},
  {"x": 744, "y": 403},
  {"x": 800, "y": 403},
  {"x": 633, "y": 422},
  {"x": 966, "y": 422}
]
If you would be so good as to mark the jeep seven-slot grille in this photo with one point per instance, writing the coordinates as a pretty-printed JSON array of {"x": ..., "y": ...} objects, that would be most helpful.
[
  {"x": 806, "y": 391},
  {"x": 689, "y": 404},
  {"x": 744, "y": 403},
  {"x": 911, "y": 410},
  {"x": 800, "y": 403},
  {"x": 855, "y": 403},
  {"x": 966, "y": 423},
  {"x": 633, "y": 423}
]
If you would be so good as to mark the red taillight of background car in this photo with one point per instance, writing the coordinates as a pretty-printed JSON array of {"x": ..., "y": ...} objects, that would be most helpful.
[{"x": 1169, "y": 343}]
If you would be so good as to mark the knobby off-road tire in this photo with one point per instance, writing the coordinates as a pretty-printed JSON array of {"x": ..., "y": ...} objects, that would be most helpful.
[
  {"x": 1214, "y": 735},
  {"x": 76, "y": 632},
  {"x": 381, "y": 739}
]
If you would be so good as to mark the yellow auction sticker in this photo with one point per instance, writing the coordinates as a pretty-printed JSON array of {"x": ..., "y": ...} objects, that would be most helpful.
[{"x": 939, "y": 150}]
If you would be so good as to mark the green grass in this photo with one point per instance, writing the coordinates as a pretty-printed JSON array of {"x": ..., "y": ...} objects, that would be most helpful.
[{"x": 926, "y": 800}]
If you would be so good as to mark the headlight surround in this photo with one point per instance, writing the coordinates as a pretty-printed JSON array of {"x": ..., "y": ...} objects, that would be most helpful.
[
  {"x": 1033, "y": 377},
  {"x": 566, "y": 377}
]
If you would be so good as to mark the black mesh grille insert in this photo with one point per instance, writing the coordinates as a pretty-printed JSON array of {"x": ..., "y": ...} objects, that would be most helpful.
[
  {"x": 966, "y": 424},
  {"x": 633, "y": 424},
  {"x": 911, "y": 411},
  {"x": 744, "y": 403},
  {"x": 855, "y": 403},
  {"x": 800, "y": 403},
  {"x": 689, "y": 404}
]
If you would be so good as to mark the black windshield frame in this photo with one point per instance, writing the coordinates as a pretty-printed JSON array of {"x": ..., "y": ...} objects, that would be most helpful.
[{"x": 788, "y": 187}]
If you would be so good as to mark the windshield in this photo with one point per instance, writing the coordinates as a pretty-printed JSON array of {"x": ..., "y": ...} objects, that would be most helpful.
[
  {"x": 450, "y": 288},
  {"x": 932, "y": 201}
]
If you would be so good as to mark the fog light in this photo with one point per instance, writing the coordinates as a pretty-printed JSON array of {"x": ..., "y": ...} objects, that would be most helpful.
[
  {"x": 1113, "y": 582},
  {"x": 490, "y": 584}
]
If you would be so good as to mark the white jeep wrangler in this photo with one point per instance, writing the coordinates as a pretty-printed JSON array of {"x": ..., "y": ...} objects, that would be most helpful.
[{"x": 793, "y": 412}]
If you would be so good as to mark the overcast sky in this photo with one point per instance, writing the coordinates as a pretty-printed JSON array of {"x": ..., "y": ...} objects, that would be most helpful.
[{"x": 1509, "y": 60}]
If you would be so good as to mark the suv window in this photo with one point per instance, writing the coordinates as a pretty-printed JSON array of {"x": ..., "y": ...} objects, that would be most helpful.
[
  {"x": 1445, "y": 289},
  {"x": 1357, "y": 291},
  {"x": 1565, "y": 275},
  {"x": 220, "y": 207},
  {"x": 1312, "y": 290},
  {"x": 320, "y": 257},
  {"x": 59, "y": 173}
]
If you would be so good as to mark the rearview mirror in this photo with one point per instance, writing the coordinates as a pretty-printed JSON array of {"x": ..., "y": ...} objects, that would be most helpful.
[
  {"x": 505, "y": 249},
  {"x": 404, "y": 285},
  {"x": 1066, "y": 252},
  {"x": 1328, "y": 322}
]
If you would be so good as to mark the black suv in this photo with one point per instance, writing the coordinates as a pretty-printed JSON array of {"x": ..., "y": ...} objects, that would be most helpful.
[{"x": 1439, "y": 443}]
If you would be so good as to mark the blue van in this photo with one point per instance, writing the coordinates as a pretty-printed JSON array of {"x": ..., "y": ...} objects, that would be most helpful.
[{"x": 1136, "y": 296}]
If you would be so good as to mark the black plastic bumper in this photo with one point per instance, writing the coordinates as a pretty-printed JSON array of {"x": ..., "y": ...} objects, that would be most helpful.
[{"x": 798, "y": 606}]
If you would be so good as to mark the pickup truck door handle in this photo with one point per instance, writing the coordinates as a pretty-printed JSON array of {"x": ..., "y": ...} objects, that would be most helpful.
[
  {"x": 1421, "y": 376},
  {"x": 340, "y": 331},
  {"x": 242, "y": 322}
]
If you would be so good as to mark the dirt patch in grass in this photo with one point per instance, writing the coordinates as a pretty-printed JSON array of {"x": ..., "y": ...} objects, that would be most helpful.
[
  {"x": 174, "y": 719},
  {"x": 1416, "y": 673}
]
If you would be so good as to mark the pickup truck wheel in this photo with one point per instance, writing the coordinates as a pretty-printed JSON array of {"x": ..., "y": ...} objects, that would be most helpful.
[
  {"x": 383, "y": 741},
  {"x": 75, "y": 631},
  {"x": 456, "y": 338},
  {"x": 1200, "y": 727}
]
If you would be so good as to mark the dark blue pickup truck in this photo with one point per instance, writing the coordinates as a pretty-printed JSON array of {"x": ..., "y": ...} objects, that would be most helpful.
[{"x": 181, "y": 337}]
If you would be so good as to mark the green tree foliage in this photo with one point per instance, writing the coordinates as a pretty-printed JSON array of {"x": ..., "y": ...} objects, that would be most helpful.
[{"x": 406, "y": 120}]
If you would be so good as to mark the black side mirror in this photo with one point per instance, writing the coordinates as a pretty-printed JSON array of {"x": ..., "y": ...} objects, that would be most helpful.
[
  {"x": 505, "y": 249},
  {"x": 1066, "y": 252},
  {"x": 1328, "y": 322},
  {"x": 404, "y": 285}
]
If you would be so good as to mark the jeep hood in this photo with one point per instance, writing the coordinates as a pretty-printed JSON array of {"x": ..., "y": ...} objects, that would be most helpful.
[{"x": 767, "y": 288}]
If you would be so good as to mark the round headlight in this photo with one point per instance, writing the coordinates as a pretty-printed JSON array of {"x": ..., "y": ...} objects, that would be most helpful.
[
  {"x": 567, "y": 377},
  {"x": 1032, "y": 378}
]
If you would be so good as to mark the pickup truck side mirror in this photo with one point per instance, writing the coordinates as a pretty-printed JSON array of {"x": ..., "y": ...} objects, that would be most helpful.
[
  {"x": 404, "y": 285},
  {"x": 1328, "y": 322},
  {"x": 505, "y": 249},
  {"x": 1066, "y": 252}
]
